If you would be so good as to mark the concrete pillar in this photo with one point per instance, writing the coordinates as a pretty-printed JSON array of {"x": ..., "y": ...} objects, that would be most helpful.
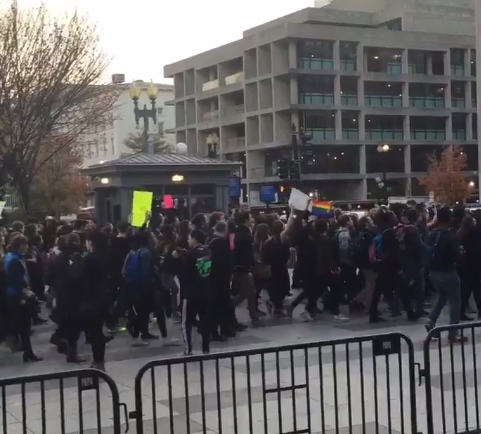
[
  {"x": 338, "y": 117},
  {"x": 362, "y": 159},
  {"x": 406, "y": 128},
  {"x": 336, "y": 56},
  {"x": 405, "y": 62},
  {"x": 407, "y": 159},
  {"x": 467, "y": 95},
  {"x": 361, "y": 61},
  {"x": 360, "y": 92},
  {"x": 429, "y": 64},
  {"x": 405, "y": 94},
  {"x": 295, "y": 119},
  {"x": 469, "y": 126},
  {"x": 467, "y": 62},
  {"x": 294, "y": 91},
  {"x": 447, "y": 62},
  {"x": 449, "y": 128},
  {"x": 408, "y": 187},
  {"x": 447, "y": 96},
  {"x": 293, "y": 55},
  {"x": 364, "y": 189},
  {"x": 362, "y": 127},
  {"x": 337, "y": 90}
]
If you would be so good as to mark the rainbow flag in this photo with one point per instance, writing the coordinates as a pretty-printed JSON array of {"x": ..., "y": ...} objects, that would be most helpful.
[{"x": 322, "y": 208}]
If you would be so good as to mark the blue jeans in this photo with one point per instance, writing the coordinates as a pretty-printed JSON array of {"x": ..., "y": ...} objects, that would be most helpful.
[
  {"x": 448, "y": 287},
  {"x": 415, "y": 276}
]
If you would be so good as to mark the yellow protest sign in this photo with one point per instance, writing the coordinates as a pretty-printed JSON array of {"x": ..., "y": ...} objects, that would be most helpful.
[{"x": 141, "y": 203}]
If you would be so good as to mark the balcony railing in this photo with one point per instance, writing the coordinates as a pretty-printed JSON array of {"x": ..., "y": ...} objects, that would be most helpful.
[
  {"x": 349, "y": 100},
  {"x": 234, "y": 78},
  {"x": 211, "y": 116},
  {"x": 317, "y": 63},
  {"x": 210, "y": 85},
  {"x": 233, "y": 111},
  {"x": 383, "y": 101},
  {"x": 235, "y": 142},
  {"x": 428, "y": 135},
  {"x": 348, "y": 65},
  {"x": 458, "y": 102},
  {"x": 322, "y": 133},
  {"x": 350, "y": 134},
  {"x": 457, "y": 70},
  {"x": 459, "y": 134},
  {"x": 316, "y": 98},
  {"x": 426, "y": 102},
  {"x": 384, "y": 134}
]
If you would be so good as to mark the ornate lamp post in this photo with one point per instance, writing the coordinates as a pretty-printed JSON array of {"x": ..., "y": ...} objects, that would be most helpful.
[
  {"x": 212, "y": 142},
  {"x": 145, "y": 113}
]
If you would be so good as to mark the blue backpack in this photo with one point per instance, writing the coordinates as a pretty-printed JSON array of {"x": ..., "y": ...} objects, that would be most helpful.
[
  {"x": 133, "y": 267},
  {"x": 378, "y": 247}
]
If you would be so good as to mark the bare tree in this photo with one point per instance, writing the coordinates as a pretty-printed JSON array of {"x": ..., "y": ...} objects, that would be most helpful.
[{"x": 50, "y": 91}]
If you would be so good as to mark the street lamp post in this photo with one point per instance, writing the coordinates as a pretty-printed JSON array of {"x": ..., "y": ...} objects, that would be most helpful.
[
  {"x": 382, "y": 183},
  {"x": 212, "y": 142},
  {"x": 145, "y": 113}
]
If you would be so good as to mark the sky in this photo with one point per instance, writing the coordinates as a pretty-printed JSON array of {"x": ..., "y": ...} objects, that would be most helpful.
[{"x": 142, "y": 36}]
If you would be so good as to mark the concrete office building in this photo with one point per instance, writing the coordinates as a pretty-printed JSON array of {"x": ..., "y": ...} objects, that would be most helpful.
[{"x": 354, "y": 74}]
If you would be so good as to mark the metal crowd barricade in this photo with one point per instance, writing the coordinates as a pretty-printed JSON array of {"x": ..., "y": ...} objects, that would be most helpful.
[
  {"x": 452, "y": 380},
  {"x": 363, "y": 384},
  {"x": 60, "y": 403}
]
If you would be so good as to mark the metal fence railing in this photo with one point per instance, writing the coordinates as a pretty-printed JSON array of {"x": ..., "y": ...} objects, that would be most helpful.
[
  {"x": 357, "y": 385},
  {"x": 60, "y": 403},
  {"x": 452, "y": 379},
  {"x": 360, "y": 384}
]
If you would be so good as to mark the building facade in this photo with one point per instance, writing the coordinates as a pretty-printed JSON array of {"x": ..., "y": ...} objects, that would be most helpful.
[
  {"x": 109, "y": 143},
  {"x": 354, "y": 74}
]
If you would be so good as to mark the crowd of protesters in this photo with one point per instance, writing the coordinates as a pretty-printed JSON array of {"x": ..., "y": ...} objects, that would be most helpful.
[{"x": 198, "y": 272}]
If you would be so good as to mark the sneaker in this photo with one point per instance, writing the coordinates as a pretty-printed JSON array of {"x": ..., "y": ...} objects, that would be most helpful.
[
  {"x": 239, "y": 327},
  {"x": 170, "y": 342},
  {"x": 112, "y": 330},
  {"x": 98, "y": 365},
  {"x": 270, "y": 307},
  {"x": 261, "y": 313},
  {"x": 187, "y": 351},
  {"x": 457, "y": 339},
  {"x": 278, "y": 313},
  {"x": 306, "y": 316},
  {"x": 138, "y": 342},
  {"x": 341, "y": 317},
  {"x": 149, "y": 337}
]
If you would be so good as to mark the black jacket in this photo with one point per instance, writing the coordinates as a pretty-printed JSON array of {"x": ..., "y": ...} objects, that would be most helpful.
[
  {"x": 243, "y": 249},
  {"x": 196, "y": 279},
  {"x": 221, "y": 256}
]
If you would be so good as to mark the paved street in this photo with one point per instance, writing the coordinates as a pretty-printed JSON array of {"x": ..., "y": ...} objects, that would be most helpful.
[{"x": 341, "y": 390}]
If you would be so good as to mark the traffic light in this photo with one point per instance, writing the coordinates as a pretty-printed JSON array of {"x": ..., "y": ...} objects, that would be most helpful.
[
  {"x": 307, "y": 156},
  {"x": 294, "y": 170},
  {"x": 283, "y": 168}
]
